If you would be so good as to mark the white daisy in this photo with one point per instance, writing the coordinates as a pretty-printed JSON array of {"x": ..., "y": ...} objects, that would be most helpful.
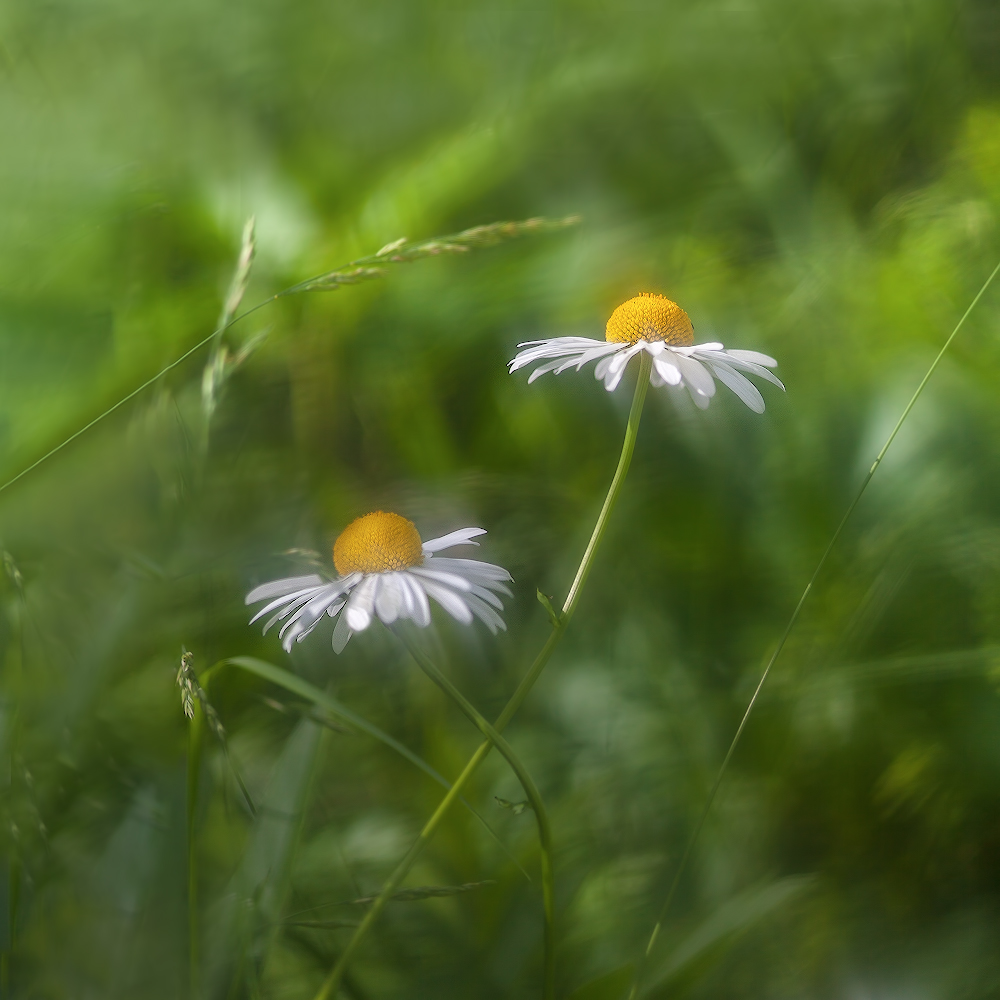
[
  {"x": 384, "y": 569},
  {"x": 654, "y": 324}
]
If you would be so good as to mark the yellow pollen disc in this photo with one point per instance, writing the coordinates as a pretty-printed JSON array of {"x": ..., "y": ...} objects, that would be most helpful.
[
  {"x": 377, "y": 543},
  {"x": 650, "y": 317}
]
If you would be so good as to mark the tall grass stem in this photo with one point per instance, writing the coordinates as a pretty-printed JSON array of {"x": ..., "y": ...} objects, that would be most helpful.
[
  {"x": 195, "y": 727},
  {"x": 637, "y": 979}
]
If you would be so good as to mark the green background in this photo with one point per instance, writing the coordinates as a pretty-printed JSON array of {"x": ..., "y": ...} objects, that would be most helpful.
[{"x": 817, "y": 181}]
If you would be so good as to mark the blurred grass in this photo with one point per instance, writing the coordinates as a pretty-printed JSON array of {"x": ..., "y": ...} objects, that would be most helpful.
[{"x": 820, "y": 182}]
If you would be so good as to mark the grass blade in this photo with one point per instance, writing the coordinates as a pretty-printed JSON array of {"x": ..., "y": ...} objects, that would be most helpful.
[{"x": 302, "y": 688}]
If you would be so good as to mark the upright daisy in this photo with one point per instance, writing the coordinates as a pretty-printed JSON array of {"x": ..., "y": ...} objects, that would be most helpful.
[
  {"x": 384, "y": 568},
  {"x": 654, "y": 324}
]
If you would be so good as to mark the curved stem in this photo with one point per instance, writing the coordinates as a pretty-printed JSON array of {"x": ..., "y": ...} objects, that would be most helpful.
[
  {"x": 636, "y": 981},
  {"x": 530, "y": 789},
  {"x": 332, "y": 981}
]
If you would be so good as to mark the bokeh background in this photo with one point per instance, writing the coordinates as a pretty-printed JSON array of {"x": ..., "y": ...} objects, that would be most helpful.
[{"x": 818, "y": 181}]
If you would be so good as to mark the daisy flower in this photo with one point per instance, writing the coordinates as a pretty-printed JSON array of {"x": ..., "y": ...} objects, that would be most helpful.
[
  {"x": 654, "y": 324},
  {"x": 385, "y": 569}
]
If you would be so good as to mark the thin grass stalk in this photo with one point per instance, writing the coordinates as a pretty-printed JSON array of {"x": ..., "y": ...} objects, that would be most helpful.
[
  {"x": 332, "y": 981},
  {"x": 15, "y": 869},
  {"x": 195, "y": 729},
  {"x": 530, "y": 789},
  {"x": 402, "y": 251},
  {"x": 640, "y": 967}
]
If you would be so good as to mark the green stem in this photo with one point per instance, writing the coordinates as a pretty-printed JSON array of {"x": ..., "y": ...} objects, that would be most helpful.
[
  {"x": 332, "y": 981},
  {"x": 193, "y": 768},
  {"x": 788, "y": 629},
  {"x": 530, "y": 789}
]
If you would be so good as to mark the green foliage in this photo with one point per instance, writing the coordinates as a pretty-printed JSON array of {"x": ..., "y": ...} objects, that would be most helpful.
[{"x": 820, "y": 182}]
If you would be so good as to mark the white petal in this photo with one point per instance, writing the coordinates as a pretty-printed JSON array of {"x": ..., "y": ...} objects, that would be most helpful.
[
  {"x": 759, "y": 370},
  {"x": 362, "y": 603},
  {"x": 618, "y": 365},
  {"x": 654, "y": 380},
  {"x": 667, "y": 370},
  {"x": 299, "y": 597},
  {"x": 748, "y": 366},
  {"x": 389, "y": 601},
  {"x": 463, "y": 536},
  {"x": 278, "y": 587},
  {"x": 696, "y": 377},
  {"x": 441, "y": 576},
  {"x": 743, "y": 387},
  {"x": 471, "y": 569},
  {"x": 421, "y": 613},
  {"x": 485, "y": 613},
  {"x": 448, "y": 600},
  {"x": 656, "y": 347},
  {"x": 549, "y": 366},
  {"x": 586, "y": 357},
  {"x": 622, "y": 358},
  {"x": 319, "y": 604},
  {"x": 602, "y": 366},
  {"x": 341, "y": 634},
  {"x": 557, "y": 347},
  {"x": 754, "y": 357},
  {"x": 712, "y": 345},
  {"x": 488, "y": 596}
]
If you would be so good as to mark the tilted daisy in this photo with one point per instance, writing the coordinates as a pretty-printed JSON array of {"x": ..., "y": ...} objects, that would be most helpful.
[
  {"x": 654, "y": 324},
  {"x": 385, "y": 569}
]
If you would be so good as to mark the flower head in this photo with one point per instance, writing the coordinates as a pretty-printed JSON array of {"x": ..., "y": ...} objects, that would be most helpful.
[
  {"x": 385, "y": 569},
  {"x": 655, "y": 324}
]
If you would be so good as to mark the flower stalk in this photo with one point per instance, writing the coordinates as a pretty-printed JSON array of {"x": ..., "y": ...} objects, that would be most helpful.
[
  {"x": 332, "y": 981},
  {"x": 530, "y": 790}
]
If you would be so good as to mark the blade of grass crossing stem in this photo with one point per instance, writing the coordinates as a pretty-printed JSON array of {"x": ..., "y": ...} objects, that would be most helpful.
[
  {"x": 296, "y": 685},
  {"x": 332, "y": 981},
  {"x": 530, "y": 789},
  {"x": 788, "y": 629}
]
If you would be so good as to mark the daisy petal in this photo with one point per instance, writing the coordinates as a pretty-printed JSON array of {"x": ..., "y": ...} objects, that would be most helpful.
[
  {"x": 277, "y": 588},
  {"x": 471, "y": 569},
  {"x": 362, "y": 602},
  {"x": 485, "y": 613},
  {"x": 748, "y": 366},
  {"x": 549, "y": 366},
  {"x": 452, "y": 580},
  {"x": 488, "y": 596},
  {"x": 463, "y": 536},
  {"x": 448, "y": 600},
  {"x": 389, "y": 600},
  {"x": 667, "y": 370},
  {"x": 696, "y": 378},
  {"x": 293, "y": 598},
  {"x": 754, "y": 357},
  {"x": 341, "y": 634},
  {"x": 602, "y": 366},
  {"x": 742, "y": 386},
  {"x": 421, "y": 613}
]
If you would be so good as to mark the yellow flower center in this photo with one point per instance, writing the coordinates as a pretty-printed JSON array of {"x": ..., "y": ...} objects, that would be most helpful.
[
  {"x": 377, "y": 543},
  {"x": 650, "y": 317}
]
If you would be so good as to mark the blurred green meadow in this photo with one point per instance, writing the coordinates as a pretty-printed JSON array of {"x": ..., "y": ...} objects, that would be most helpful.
[{"x": 817, "y": 181}]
